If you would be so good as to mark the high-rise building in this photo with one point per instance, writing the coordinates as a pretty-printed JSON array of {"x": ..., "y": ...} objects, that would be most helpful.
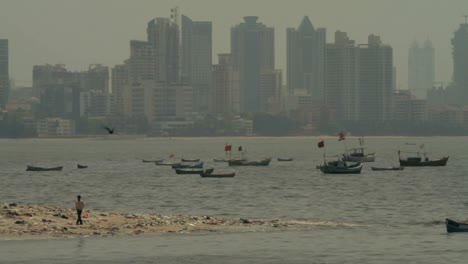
[
  {"x": 163, "y": 37},
  {"x": 341, "y": 77},
  {"x": 252, "y": 49},
  {"x": 224, "y": 89},
  {"x": 4, "y": 73},
  {"x": 460, "y": 63},
  {"x": 119, "y": 80},
  {"x": 141, "y": 64},
  {"x": 197, "y": 59},
  {"x": 421, "y": 69},
  {"x": 375, "y": 80},
  {"x": 305, "y": 58}
]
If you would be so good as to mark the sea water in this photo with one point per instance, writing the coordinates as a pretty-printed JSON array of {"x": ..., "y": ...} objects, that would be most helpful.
[{"x": 372, "y": 217}]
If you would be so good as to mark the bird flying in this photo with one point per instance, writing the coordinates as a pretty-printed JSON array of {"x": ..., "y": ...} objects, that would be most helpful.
[{"x": 110, "y": 131}]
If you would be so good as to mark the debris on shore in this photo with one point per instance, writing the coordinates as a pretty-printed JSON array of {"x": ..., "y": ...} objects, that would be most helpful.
[{"x": 48, "y": 221}]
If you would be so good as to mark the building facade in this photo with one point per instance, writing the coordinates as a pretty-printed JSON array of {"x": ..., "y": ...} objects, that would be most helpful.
[
  {"x": 4, "y": 73},
  {"x": 460, "y": 64},
  {"x": 197, "y": 60},
  {"x": 252, "y": 49},
  {"x": 421, "y": 69},
  {"x": 305, "y": 58},
  {"x": 224, "y": 90},
  {"x": 342, "y": 93}
]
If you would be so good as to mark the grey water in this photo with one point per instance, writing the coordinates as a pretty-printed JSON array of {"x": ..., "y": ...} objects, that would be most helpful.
[{"x": 372, "y": 217}]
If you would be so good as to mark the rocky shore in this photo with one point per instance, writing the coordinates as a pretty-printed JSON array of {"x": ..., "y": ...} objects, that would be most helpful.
[{"x": 35, "y": 221}]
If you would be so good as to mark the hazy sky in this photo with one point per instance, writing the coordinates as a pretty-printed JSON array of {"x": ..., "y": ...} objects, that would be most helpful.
[{"x": 81, "y": 32}]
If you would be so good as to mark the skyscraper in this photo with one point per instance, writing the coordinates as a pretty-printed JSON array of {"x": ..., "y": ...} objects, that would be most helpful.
[
  {"x": 224, "y": 88},
  {"x": 252, "y": 49},
  {"x": 375, "y": 80},
  {"x": 4, "y": 73},
  {"x": 460, "y": 63},
  {"x": 305, "y": 58},
  {"x": 197, "y": 59},
  {"x": 163, "y": 37},
  {"x": 341, "y": 77},
  {"x": 421, "y": 69}
]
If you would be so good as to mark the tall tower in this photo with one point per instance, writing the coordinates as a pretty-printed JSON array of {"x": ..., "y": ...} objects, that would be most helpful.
[
  {"x": 4, "y": 73},
  {"x": 305, "y": 59},
  {"x": 341, "y": 77},
  {"x": 252, "y": 49},
  {"x": 163, "y": 37},
  {"x": 197, "y": 59},
  {"x": 375, "y": 80},
  {"x": 421, "y": 69},
  {"x": 460, "y": 62}
]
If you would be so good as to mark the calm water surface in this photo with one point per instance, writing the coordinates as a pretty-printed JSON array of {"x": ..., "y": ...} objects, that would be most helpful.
[{"x": 374, "y": 217}]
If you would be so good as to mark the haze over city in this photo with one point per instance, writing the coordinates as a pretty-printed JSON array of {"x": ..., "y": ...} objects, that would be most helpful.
[
  {"x": 79, "y": 33},
  {"x": 219, "y": 68}
]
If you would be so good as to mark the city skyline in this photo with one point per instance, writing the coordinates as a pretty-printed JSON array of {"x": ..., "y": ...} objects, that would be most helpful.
[{"x": 68, "y": 39}]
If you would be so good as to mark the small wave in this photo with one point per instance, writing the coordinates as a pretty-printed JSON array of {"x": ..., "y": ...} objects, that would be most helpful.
[{"x": 321, "y": 223}]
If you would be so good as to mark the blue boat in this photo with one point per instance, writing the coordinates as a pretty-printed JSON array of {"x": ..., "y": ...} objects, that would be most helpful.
[
  {"x": 340, "y": 167},
  {"x": 454, "y": 226},
  {"x": 187, "y": 165}
]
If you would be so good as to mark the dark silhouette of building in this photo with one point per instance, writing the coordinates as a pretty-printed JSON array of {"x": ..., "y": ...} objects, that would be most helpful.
[{"x": 4, "y": 73}]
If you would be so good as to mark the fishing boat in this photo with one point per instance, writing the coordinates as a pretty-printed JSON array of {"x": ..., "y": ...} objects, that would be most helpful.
[
  {"x": 358, "y": 155},
  {"x": 191, "y": 165},
  {"x": 285, "y": 159},
  {"x": 165, "y": 163},
  {"x": 420, "y": 162},
  {"x": 191, "y": 171},
  {"x": 81, "y": 166},
  {"x": 263, "y": 162},
  {"x": 33, "y": 168},
  {"x": 190, "y": 160},
  {"x": 151, "y": 161},
  {"x": 393, "y": 168},
  {"x": 420, "y": 159},
  {"x": 454, "y": 226},
  {"x": 341, "y": 167},
  {"x": 212, "y": 174},
  {"x": 221, "y": 160}
]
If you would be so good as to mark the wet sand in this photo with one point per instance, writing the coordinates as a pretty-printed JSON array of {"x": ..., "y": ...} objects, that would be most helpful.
[{"x": 35, "y": 221}]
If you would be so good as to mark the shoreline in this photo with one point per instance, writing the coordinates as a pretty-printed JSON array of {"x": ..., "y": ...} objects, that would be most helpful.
[{"x": 41, "y": 222}]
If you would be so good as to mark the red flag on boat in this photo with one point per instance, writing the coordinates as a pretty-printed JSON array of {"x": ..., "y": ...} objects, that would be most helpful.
[
  {"x": 341, "y": 136},
  {"x": 171, "y": 156},
  {"x": 227, "y": 148},
  {"x": 321, "y": 144}
]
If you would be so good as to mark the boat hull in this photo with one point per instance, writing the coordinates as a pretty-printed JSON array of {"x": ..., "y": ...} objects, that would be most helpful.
[
  {"x": 187, "y": 165},
  {"x": 330, "y": 169},
  {"x": 387, "y": 168},
  {"x": 189, "y": 171},
  {"x": 422, "y": 163},
  {"x": 283, "y": 159},
  {"x": 454, "y": 226},
  {"x": 217, "y": 175},
  {"x": 264, "y": 162},
  {"x": 32, "y": 168}
]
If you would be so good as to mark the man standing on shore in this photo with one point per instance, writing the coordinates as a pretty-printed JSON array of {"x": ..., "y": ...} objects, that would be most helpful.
[{"x": 79, "y": 205}]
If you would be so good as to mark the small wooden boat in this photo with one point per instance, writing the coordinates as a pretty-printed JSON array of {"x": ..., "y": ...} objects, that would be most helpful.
[
  {"x": 341, "y": 167},
  {"x": 263, "y": 162},
  {"x": 81, "y": 166},
  {"x": 151, "y": 161},
  {"x": 33, "y": 168},
  {"x": 211, "y": 174},
  {"x": 387, "y": 168},
  {"x": 221, "y": 160},
  {"x": 454, "y": 226},
  {"x": 190, "y": 160},
  {"x": 190, "y": 165},
  {"x": 285, "y": 159},
  {"x": 166, "y": 163},
  {"x": 189, "y": 171}
]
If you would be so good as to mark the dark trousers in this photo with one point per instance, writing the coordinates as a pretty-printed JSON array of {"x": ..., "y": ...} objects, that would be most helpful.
[{"x": 79, "y": 221}]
